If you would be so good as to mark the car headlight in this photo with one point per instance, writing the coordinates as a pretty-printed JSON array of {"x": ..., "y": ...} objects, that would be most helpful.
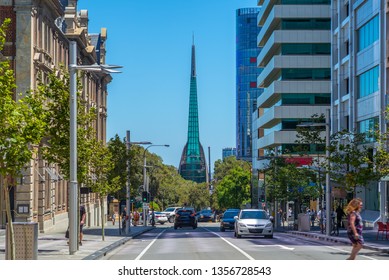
[
  {"x": 242, "y": 225},
  {"x": 269, "y": 225}
]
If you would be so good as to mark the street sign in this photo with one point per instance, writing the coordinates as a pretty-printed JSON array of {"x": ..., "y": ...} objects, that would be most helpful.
[{"x": 146, "y": 205}]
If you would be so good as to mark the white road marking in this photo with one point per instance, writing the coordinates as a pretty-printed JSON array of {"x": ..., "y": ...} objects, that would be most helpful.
[
  {"x": 148, "y": 246},
  {"x": 232, "y": 245},
  {"x": 277, "y": 245},
  {"x": 341, "y": 250}
]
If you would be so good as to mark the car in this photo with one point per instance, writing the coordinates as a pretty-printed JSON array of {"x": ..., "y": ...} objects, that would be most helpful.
[
  {"x": 253, "y": 222},
  {"x": 160, "y": 217},
  {"x": 185, "y": 217},
  {"x": 170, "y": 212},
  {"x": 227, "y": 221},
  {"x": 205, "y": 216}
]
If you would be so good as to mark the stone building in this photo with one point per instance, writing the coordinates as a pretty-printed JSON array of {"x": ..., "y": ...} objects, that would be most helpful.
[{"x": 38, "y": 43}]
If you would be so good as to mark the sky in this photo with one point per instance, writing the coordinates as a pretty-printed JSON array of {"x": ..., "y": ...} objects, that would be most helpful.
[{"x": 152, "y": 40}]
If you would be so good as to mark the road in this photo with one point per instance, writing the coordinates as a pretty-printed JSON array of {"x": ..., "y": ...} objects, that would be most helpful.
[{"x": 208, "y": 243}]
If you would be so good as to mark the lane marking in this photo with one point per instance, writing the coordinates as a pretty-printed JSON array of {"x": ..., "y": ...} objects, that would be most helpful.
[
  {"x": 276, "y": 245},
  {"x": 232, "y": 245},
  {"x": 341, "y": 250},
  {"x": 148, "y": 246}
]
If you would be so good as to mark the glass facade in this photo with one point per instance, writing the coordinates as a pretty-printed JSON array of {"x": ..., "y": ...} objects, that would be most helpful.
[
  {"x": 368, "y": 33},
  {"x": 192, "y": 164},
  {"x": 368, "y": 127},
  {"x": 247, "y": 72},
  {"x": 305, "y": 24},
  {"x": 368, "y": 82},
  {"x": 305, "y": 49},
  {"x": 306, "y": 74}
]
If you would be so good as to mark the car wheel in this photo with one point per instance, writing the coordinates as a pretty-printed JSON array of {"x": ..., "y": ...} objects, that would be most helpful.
[
  {"x": 175, "y": 227},
  {"x": 194, "y": 227},
  {"x": 222, "y": 229},
  {"x": 170, "y": 219},
  {"x": 162, "y": 223}
]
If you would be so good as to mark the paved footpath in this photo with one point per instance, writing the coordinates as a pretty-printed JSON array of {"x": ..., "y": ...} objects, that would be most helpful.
[{"x": 53, "y": 245}]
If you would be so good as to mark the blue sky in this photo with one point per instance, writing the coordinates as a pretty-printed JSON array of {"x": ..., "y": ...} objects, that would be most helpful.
[{"x": 152, "y": 40}]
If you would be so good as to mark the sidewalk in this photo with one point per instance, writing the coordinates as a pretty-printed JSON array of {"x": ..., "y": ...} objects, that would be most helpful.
[
  {"x": 53, "y": 245},
  {"x": 369, "y": 236}
]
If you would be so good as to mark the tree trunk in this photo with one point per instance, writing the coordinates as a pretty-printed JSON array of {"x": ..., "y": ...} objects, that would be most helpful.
[
  {"x": 102, "y": 218},
  {"x": 10, "y": 229}
]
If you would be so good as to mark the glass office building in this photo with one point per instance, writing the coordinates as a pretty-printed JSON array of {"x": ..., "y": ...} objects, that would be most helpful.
[{"x": 247, "y": 71}]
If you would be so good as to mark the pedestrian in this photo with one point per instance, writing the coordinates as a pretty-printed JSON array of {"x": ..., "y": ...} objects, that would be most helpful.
[
  {"x": 124, "y": 218},
  {"x": 82, "y": 221},
  {"x": 113, "y": 218},
  {"x": 354, "y": 229},
  {"x": 321, "y": 215},
  {"x": 136, "y": 216},
  {"x": 313, "y": 218},
  {"x": 339, "y": 215}
]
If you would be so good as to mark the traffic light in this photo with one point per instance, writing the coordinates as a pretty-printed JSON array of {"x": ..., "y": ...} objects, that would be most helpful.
[
  {"x": 262, "y": 198},
  {"x": 145, "y": 196}
]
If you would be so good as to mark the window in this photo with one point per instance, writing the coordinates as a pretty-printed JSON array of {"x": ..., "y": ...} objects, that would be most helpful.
[
  {"x": 368, "y": 33},
  {"x": 368, "y": 127},
  {"x": 368, "y": 82}
]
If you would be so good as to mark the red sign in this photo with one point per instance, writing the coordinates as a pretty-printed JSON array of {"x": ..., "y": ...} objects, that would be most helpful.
[{"x": 299, "y": 161}]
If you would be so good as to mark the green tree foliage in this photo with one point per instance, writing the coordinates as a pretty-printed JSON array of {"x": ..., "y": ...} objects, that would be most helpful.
[
  {"x": 101, "y": 164},
  {"x": 57, "y": 149},
  {"x": 232, "y": 179},
  {"x": 351, "y": 160},
  {"x": 21, "y": 128}
]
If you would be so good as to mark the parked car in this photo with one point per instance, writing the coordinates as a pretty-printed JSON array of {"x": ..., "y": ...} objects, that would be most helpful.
[
  {"x": 205, "y": 216},
  {"x": 253, "y": 222},
  {"x": 160, "y": 217},
  {"x": 170, "y": 212},
  {"x": 185, "y": 217},
  {"x": 227, "y": 221}
]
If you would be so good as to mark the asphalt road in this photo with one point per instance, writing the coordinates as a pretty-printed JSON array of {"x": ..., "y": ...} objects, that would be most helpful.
[{"x": 208, "y": 243}]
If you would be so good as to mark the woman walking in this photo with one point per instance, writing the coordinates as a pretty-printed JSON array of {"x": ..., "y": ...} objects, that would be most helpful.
[{"x": 354, "y": 229}]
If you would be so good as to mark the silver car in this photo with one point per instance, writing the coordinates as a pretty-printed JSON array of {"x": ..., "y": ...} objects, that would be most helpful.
[{"x": 253, "y": 222}]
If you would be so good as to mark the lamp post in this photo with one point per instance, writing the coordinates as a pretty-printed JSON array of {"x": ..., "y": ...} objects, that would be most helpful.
[
  {"x": 73, "y": 184},
  {"x": 328, "y": 189},
  {"x": 145, "y": 185},
  {"x": 128, "y": 190}
]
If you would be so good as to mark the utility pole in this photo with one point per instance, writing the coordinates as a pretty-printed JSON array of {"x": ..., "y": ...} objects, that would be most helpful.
[{"x": 128, "y": 189}]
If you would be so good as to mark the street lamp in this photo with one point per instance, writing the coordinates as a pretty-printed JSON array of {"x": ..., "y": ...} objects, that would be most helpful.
[
  {"x": 328, "y": 190},
  {"x": 145, "y": 186},
  {"x": 73, "y": 185},
  {"x": 128, "y": 190}
]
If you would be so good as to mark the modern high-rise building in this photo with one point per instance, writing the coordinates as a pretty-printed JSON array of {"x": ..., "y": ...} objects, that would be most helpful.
[
  {"x": 247, "y": 71},
  {"x": 192, "y": 164},
  {"x": 296, "y": 59},
  {"x": 228, "y": 152},
  {"x": 359, "y": 80}
]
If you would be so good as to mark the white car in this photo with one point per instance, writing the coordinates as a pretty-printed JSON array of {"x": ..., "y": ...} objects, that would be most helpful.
[
  {"x": 160, "y": 217},
  {"x": 171, "y": 213},
  {"x": 253, "y": 222}
]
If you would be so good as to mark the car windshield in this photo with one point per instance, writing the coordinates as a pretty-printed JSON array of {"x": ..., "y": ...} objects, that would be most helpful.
[
  {"x": 230, "y": 214},
  {"x": 169, "y": 209},
  {"x": 253, "y": 215},
  {"x": 206, "y": 212}
]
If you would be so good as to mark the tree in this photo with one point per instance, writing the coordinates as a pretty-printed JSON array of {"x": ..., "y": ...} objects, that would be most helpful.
[
  {"x": 56, "y": 91},
  {"x": 21, "y": 129},
  {"x": 233, "y": 190},
  {"x": 100, "y": 166}
]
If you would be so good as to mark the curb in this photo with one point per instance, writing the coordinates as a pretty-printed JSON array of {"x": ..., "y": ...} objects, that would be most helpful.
[
  {"x": 338, "y": 240},
  {"x": 103, "y": 252}
]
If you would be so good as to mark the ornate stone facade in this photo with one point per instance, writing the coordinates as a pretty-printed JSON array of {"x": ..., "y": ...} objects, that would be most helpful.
[{"x": 38, "y": 43}]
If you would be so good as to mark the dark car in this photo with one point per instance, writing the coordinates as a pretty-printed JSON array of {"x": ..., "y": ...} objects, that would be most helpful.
[
  {"x": 205, "y": 216},
  {"x": 227, "y": 221},
  {"x": 185, "y": 217}
]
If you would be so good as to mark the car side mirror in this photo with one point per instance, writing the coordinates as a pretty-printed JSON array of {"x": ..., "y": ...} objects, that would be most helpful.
[
  {"x": 236, "y": 218},
  {"x": 271, "y": 218}
]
